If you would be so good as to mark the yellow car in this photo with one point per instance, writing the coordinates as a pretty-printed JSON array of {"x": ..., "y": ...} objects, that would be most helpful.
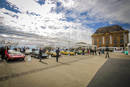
[
  {"x": 53, "y": 54},
  {"x": 49, "y": 53},
  {"x": 71, "y": 53},
  {"x": 66, "y": 53},
  {"x": 86, "y": 51},
  {"x": 62, "y": 52}
]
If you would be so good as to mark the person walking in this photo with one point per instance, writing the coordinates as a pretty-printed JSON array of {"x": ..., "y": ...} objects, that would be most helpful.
[
  {"x": 83, "y": 51},
  {"x": 0, "y": 52},
  {"x": 90, "y": 51},
  {"x": 95, "y": 52},
  {"x": 107, "y": 53},
  {"x": 3, "y": 53},
  {"x": 103, "y": 51},
  {"x": 40, "y": 54},
  {"x": 99, "y": 52},
  {"x": 57, "y": 54}
]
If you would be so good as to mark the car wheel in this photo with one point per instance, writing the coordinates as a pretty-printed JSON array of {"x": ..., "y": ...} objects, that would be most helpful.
[
  {"x": 7, "y": 59},
  {"x": 22, "y": 59}
]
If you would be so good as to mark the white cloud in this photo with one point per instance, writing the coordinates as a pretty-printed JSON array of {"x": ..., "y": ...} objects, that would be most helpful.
[
  {"x": 113, "y": 10},
  {"x": 47, "y": 24}
]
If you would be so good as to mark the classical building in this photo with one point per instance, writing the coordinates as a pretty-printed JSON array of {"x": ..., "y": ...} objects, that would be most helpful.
[{"x": 110, "y": 36}]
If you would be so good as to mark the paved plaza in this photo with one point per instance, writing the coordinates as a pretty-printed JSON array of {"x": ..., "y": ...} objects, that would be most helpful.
[{"x": 71, "y": 71}]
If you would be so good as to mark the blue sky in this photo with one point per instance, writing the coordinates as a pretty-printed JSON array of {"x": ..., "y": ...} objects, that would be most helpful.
[{"x": 60, "y": 18}]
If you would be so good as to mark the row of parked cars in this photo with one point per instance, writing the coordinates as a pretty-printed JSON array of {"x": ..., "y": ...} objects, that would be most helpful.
[
  {"x": 35, "y": 53},
  {"x": 17, "y": 54}
]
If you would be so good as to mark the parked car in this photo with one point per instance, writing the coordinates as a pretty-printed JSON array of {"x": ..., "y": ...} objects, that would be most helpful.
[
  {"x": 79, "y": 52},
  {"x": 28, "y": 51},
  {"x": 35, "y": 53},
  {"x": 44, "y": 55},
  {"x": 12, "y": 54},
  {"x": 67, "y": 52},
  {"x": 53, "y": 53},
  {"x": 72, "y": 53}
]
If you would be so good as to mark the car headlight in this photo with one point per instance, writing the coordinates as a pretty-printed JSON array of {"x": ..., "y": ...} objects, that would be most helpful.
[{"x": 22, "y": 55}]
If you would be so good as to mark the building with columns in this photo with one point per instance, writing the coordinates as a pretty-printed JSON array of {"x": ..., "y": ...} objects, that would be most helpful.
[{"x": 110, "y": 36}]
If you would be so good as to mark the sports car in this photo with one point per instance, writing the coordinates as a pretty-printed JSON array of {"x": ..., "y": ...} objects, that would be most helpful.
[{"x": 12, "y": 54}]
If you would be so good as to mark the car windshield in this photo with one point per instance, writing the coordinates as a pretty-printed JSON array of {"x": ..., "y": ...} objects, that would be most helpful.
[
  {"x": 13, "y": 52},
  {"x": 36, "y": 51}
]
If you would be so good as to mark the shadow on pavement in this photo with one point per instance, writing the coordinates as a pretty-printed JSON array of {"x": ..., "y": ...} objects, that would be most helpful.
[
  {"x": 15, "y": 61},
  {"x": 1, "y": 61},
  {"x": 64, "y": 63},
  {"x": 14, "y": 75},
  {"x": 114, "y": 73},
  {"x": 43, "y": 62}
]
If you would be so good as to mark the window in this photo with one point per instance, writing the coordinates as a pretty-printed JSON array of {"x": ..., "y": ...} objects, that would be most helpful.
[
  {"x": 103, "y": 40},
  {"x": 95, "y": 41},
  {"x": 100, "y": 42},
  {"x": 115, "y": 42},
  {"x": 110, "y": 39},
  {"x": 107, "y": 40},
  {"x": 121, "y": 41}
]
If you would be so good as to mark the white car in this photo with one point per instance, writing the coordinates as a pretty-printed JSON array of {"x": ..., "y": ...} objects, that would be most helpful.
[{"x": 28, "y": 51}]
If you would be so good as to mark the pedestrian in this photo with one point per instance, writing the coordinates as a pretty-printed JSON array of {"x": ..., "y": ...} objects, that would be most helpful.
[
  {"x": 103, "y": 51},
  {"x": 95, "y": 52},
  {"x": 83, "y": 51},
  {"x": 3, "y": 53},
  {"x": 40, "y": 54},
  {"x": 107, "y": 53},
  {"x": 91, "y": 52},
  {"x": 99, "y": 52},
  {"x": 0, "y": 51},
  {"x": 57, "y": 54}
]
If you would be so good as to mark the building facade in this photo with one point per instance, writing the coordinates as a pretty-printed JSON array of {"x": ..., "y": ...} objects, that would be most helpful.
[{"x": 111, "y": 36}]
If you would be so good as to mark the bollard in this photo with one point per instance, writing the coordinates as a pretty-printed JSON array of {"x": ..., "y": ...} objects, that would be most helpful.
[
  {"x": 49, "y": 56},
  {"x": 28, "y": 58}
]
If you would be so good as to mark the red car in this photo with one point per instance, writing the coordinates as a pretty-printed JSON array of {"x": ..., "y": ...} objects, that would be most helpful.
[{"x": 11, "y": 54}]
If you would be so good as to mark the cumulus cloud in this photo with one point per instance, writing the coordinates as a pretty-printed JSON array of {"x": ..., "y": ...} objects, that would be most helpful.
[
  {"x": 113, "y": 10},
  {"x": 60, "y": 22},
  {"x": 37, "y": 19}
]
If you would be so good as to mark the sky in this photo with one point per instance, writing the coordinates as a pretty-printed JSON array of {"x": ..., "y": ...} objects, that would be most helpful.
[{"x": 59, "y": 22}]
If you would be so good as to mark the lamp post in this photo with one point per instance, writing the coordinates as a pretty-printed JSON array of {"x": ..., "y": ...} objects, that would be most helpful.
[{"x": 124, "y": 39}]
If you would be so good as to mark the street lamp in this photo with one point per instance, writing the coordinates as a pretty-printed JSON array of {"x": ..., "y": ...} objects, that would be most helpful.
[{"x": 124, "y": 39}]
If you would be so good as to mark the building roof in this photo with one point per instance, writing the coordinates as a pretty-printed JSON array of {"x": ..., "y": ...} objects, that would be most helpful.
[
  {"x": 109, "y": 29},
  {"x": 81, "y": 43}
]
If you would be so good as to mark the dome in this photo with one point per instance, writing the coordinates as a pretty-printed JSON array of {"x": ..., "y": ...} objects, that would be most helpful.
[{"x": 109, "y": 29}]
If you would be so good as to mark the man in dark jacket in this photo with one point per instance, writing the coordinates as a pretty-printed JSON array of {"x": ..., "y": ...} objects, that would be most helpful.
[
  {"x": 3, "y": 53},
  {"x": 107, "y": 52},
  {"x": 40, "y": 54},
  {"x": 83, "y": 51},
  {"x": 57, "y": 54}
]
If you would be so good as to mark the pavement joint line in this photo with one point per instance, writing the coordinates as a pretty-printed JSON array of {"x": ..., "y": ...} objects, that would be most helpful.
[{"x": 3, "y": 78}]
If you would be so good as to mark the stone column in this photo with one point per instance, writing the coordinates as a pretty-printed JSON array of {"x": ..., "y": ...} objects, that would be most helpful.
[
  {"x": 110, "y": 39},
  {"x": 103, "y": 40}
]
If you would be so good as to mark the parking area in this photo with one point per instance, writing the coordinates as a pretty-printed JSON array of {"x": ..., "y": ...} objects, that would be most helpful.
[{"x": 70, "y": 71}]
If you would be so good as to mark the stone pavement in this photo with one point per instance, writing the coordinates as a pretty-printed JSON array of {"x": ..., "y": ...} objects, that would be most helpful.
[
  {"x": 114, "y": 73},
  {"x": 71, "y": 71}
]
